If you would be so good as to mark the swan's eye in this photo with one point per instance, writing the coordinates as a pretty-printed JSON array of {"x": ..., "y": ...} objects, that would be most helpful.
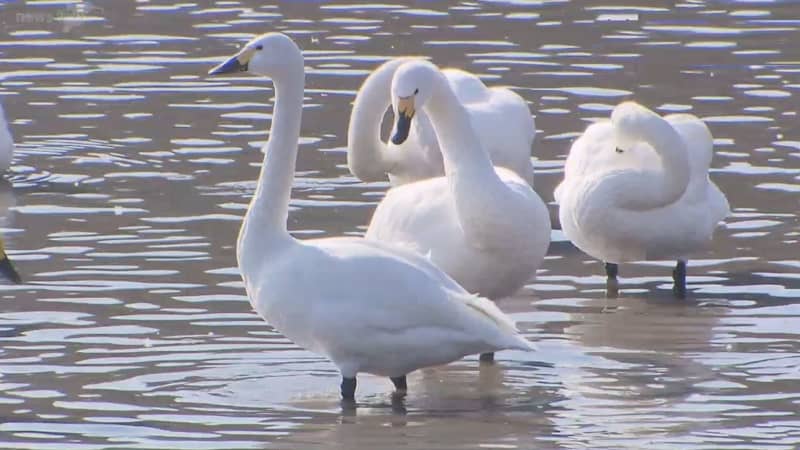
[
  {"x": 619, "y": 150},
  {"x": 259, "y": 47},
  {"x": 416, "y": 91}
]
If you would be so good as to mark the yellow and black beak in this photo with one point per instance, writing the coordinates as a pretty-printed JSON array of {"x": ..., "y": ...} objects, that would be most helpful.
[
  {"x": 405, "y": 112},
  {"x": 236, "y": 63},
  {"x": 7, "y": 269}
]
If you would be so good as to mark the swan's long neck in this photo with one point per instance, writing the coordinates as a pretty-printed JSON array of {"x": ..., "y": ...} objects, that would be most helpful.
[
  {"x": 464, "y": 157},
  {"x": 367, "y": 154},
  {"x": 265, "y": 221},
  {"x": 658, "y": 188},
  {"x": 478, "y": 192},
  {"x": 466, "y": 162}
]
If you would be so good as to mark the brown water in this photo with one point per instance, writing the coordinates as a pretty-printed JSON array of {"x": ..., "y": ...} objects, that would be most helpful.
[{"x": 134, "y": 169}]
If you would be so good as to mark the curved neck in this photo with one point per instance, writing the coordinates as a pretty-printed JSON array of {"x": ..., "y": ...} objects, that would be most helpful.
[
  {"x": 268, "y": 210},
  {"x": 658, "y": 188},
  {"x": 461, "y": 150},
  {"x": 367, "y": 154}
]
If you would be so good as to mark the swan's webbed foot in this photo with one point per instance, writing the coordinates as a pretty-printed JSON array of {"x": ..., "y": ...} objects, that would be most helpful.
[
  {"x": 486, "y": 358},
  {"x": 679, "y": 279},
  {"x": 349, "y": 389},
  {"x": 400, "y": 384}
]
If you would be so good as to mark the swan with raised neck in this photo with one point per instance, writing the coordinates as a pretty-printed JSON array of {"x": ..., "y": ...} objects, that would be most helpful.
[
  {"x": 368, "y": 307},
  {"x": 483, "y": 225}
]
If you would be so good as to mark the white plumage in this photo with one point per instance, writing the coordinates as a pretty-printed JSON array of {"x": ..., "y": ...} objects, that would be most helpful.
[
  {"x": 637, "y": 187},
  {"x": 501, "y": 119},
  {"x": 367, "y": 306},
  {"x": 484, "y": 226}
]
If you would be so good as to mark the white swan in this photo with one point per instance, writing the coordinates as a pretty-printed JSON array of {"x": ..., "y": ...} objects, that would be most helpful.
[
  {"x": 6, "y": 143},
  {"x": 637, "y": 188},
  {"x": 484, "y": 226},
  {"x": 501, "y": 119},
  {"x": 365, "y": 305}
]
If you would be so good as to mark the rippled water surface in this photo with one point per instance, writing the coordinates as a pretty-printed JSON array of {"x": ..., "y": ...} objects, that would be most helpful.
[{"x": 133, "y": 171}]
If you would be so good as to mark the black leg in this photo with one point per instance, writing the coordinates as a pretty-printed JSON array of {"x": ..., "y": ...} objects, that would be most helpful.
[
  {"x": 487, "y": 358},
  {"x": 399, "y": 383},
  {"x": 679, "y": 279},
  {"x": 612, "y": 285},
  {"x": 611, "y": 270},
  {"x": 349, "y": 388}
]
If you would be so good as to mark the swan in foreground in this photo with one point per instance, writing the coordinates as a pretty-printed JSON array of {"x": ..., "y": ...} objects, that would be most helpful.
[
  {"x": 637, "y": 188},
  {"x": 6, "y": 143},
  {"x": 367, "y": 306},
  {"x": 484, "y": 226},
  {"x": 501, "y": 119}
]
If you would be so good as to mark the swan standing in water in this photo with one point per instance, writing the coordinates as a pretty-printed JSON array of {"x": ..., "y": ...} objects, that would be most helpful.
[
  {"x": 637, "y": 188},
  {"x": 484, "y": 226},
  {"x": 501, "y": 120},
  {"x": 6, "y": 143},
  {"x": 367, "y": 306}
]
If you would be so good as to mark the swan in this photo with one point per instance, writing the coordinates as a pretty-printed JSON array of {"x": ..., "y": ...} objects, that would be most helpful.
[
  {"x": 483, "y": 225},
  {"x": 6, "y": 143},
  {"x": 637, "y": 188},
  {"x": 365, "y": 305},
  {"x": 501, "y": 119}
]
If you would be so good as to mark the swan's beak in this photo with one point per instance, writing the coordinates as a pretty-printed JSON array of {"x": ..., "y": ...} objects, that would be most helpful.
[
  {"x": 405, "y": 112},
  {"x": 7, "y": 269},
  {"x": 236, "y": 63}
]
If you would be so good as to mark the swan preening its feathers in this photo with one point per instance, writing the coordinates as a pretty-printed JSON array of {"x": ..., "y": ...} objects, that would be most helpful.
[
  {"x": 368, "y": 306},
  {"x": 484, "y": 226},
  {"x": 500, "y": 118},
  {"x": 637, "y": 188},
  {"x": 6, "y": 143}
]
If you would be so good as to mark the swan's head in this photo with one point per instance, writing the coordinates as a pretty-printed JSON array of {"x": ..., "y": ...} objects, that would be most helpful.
[
  {"x": 274, "y": 55},
  {"x": 6, "y": 268},
  {"x": 412, "y": 87},
  {"x": 631, "y": 121},
  {"x": 614, "y": 145}
]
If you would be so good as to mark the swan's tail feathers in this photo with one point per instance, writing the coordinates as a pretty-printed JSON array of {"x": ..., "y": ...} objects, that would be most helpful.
[{"x": 511, "y": 339}]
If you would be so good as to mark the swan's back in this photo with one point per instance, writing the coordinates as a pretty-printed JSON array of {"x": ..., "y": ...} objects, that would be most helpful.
[{"x": 699, "y": 141}]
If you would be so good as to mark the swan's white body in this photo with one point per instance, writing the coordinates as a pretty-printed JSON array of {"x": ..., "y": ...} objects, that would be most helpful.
[
  {"x": 484, "y": 226},
  {"x": 654, "y": 200},
  {"x": 501, "y": 119},
  {"x": 367, "y": 306},
  {"x": 6, "y": 143}
]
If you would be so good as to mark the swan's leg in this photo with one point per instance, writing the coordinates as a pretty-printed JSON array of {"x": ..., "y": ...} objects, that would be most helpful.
[
  {"x": 612, "y": 285},
  {"x": 679, "y": 279},
  {"x": 400, "y": 383},
  {"x": 487, "y": 358},
  {"x": 611, "y": 270},
  {"x": 349, "y": 388}
]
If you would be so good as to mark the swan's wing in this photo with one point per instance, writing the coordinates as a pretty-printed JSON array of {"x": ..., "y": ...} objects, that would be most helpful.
[
  {"x": 418, "y": 216},
  {"x": 467, "y": 87},
  {"x": 391, "y": 290}
]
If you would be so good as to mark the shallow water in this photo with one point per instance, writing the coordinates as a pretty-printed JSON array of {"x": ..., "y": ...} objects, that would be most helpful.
[{"x": 134, "y": 169}]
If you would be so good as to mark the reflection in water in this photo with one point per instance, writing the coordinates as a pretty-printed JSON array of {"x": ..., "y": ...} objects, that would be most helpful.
[{"x": 132, "y": 328}]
